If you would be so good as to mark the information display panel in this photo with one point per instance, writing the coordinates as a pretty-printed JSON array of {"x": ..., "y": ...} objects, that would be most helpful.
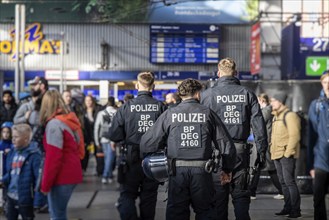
[
  {"x": 184, "y": 43},
  {"x": 316, "y": 44},
  {"x": 314, "y": 56}
]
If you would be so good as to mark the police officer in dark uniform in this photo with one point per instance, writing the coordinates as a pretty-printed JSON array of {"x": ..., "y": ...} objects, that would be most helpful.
[
  {"x": 239, "y": 110},
  {"x": 189, "y": 131},
  {"x": 131, "y": 121}
]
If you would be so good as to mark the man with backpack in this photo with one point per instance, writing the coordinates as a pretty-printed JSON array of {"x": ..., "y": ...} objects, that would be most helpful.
[
  {"x": 101, "y": 134},
  {"x": 318, "y": 148},
  {"x": 285, "y": 147}
]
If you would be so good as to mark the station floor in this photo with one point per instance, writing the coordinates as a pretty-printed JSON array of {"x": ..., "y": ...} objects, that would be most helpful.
[{"x": 93, "y": 200}]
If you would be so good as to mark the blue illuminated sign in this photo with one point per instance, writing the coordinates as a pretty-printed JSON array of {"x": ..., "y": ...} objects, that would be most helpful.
[
  {"x": 203, "y": 12},
  {"x": 184, "y": 43},
  {"x": 316, "y": 44}
]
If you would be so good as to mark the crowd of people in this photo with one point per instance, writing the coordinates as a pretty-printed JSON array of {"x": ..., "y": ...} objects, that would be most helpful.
[{"x": 47, "y": 141}]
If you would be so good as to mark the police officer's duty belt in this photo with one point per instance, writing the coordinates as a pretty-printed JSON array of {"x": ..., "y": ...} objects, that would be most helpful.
[{"x": 191, "y": 163}]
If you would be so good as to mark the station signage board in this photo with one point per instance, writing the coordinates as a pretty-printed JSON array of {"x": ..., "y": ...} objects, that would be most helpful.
[
  {"x": 314, "y": 56},
  {"x": 57, "y": 74},
  {"x": 315, "y": 66},
  {"x": 316, "y": 44},
  {"x": 184, "y": 44}
]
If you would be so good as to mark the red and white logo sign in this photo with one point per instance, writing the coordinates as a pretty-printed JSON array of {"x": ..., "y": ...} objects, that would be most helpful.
[{"x": 255, "y": 49}]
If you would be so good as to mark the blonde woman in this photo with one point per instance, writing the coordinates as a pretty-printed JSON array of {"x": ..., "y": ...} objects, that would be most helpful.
[{"x": 62, "y": 167}]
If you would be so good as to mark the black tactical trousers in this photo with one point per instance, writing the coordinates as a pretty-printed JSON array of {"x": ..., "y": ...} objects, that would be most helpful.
[
  {"x": 238, "y": 187},
  {"x": 190, "y": 186},
  {"x": 136, "y": 184},
  {"x": 320, "y": 186}
]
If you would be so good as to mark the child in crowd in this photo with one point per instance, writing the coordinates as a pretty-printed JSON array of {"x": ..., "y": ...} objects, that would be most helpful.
[
  {"x": 5, "y": 143},
  {"x": 22, "y": 164},
  {"x": 5, "y": 147}
]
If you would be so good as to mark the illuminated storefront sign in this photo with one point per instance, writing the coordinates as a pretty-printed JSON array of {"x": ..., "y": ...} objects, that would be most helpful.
[{"x": 34, "y": 43}]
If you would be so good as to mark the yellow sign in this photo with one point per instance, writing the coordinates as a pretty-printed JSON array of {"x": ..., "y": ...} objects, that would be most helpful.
[{"x": 33, "y": 44}]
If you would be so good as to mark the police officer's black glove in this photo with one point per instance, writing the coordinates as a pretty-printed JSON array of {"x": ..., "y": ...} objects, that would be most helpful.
[{"x": 261, "y": 161}]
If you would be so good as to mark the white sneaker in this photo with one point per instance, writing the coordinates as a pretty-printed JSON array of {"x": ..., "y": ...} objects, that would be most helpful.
[
  {"x": 253, "y": 197},
  {"x": 279, "y": 196},
  {"x": 104, "y": 180}
]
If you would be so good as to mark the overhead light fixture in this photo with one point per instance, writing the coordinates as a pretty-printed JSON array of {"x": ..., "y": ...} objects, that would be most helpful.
[
  {"x": 121, "y": 83},
  {"x": 298, "y": 23},
  {"x": 297, "y": 19}
]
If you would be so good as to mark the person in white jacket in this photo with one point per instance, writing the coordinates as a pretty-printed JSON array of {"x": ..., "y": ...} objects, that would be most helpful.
[{"x": 101, "y": 129}]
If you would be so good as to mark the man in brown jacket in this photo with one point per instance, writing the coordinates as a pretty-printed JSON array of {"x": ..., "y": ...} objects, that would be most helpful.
[{"x": 284, "y": 151}]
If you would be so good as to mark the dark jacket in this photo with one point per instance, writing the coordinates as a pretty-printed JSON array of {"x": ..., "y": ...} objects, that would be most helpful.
[
  {"x": 27, "y": 177},
  {"x": 318, "y": 147},
  {"x": 190, "y": 130},
  {"x": 88, "y": 131},
  {"x": 5, "y": 145},
  {"x": 135, "y": 117},
  {"x": 239, "y": 110},
  {"x": 268, "y": 118},
  {"x": 7, "y": 114}
]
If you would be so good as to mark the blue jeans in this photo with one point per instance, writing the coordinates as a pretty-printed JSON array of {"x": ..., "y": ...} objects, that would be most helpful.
[
  {"x": 109, "y": 157},
  {"x": 286, "y": 172},
  {"x": 58, "y": 198}
]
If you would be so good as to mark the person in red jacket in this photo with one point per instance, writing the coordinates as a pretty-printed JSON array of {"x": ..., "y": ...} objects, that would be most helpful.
[{"x": 64, "y": 146}]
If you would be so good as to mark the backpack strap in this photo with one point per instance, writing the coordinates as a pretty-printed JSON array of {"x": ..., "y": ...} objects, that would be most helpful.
[
  {"x": 106, "y": 112},
  {"x": 318, "y": 106},
  {"x": 284, "y": 118},
  {"x": 107, "y": 116}
]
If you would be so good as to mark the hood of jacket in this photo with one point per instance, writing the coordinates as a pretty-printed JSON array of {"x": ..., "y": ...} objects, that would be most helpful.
[
  {"x": 33, "y": 147},
  {"x": 70, "y": 120},
  {"x": 73, "y": 122},
  {"x": 323, "y": 95}
]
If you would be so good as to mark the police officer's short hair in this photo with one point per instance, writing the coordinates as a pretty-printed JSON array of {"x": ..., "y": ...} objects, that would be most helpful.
[
  {"x": 189, "y": 87},
  {"x": 146, "y": 79},
  {"x": 227, "y": 67}
]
